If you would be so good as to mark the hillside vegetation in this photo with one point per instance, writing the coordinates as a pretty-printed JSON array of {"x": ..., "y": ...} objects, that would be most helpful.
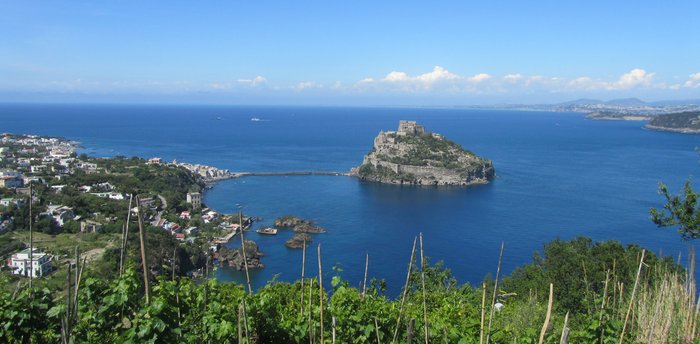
[{"x": 597, "y": 284}]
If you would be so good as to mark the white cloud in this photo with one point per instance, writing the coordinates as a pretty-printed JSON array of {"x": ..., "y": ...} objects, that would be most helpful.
[
  {"x": 479, "y": 77},
  {"x": 693, "y": 80},
  {"x": 513, "y": 77},
  {"x": 253, "y": 82},
  {"x": 634, "y": 78},
  {"x": 437, "y": 74},
  {"x": 395, "y": 76},
  {"x": 304, "y": 85}
]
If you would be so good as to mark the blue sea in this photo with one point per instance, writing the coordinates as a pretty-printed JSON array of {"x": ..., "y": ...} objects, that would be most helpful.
[{"x": 558, "y": 176}]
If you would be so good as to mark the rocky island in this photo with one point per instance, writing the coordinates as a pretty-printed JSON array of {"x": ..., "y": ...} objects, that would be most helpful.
[{"x": 416, "y": 157}]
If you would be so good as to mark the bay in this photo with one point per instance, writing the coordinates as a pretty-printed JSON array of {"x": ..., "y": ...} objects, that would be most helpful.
[{"x": 558, "y": 176}]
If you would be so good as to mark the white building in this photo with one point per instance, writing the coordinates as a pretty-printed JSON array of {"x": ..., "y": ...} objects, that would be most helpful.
[
  {"x": 39, "y": 266},
  {"x": 194, "y": 198}
]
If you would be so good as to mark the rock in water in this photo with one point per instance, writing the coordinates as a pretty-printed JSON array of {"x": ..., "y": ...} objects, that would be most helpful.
[
  {"x": 234, "y": 257},
  {"x": 298, "y": 240},
  {"x": 413, "y": 156}
]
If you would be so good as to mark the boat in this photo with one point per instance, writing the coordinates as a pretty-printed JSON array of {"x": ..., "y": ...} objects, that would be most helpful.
[
  {"x": 267, "y": 231},
  {"x": 255, "y": 119}
]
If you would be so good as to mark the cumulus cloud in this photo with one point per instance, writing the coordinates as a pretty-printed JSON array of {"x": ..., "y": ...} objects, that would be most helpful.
[
  {"x": 634, "y": 78},
  {"x": 253, "y": 82},
  {"x": 693, "y": 80},
  {"x": 479, "y": 77},
  {"x": 513, "y": 77},
  {"x": 304, "y": 85}
]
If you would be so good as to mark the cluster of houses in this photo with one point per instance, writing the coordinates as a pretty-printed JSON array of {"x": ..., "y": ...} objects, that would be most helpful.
[{"x": 206, "y": 172}]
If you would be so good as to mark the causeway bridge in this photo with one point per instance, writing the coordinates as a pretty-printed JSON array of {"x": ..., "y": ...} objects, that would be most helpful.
[{"x": 287, "y": 173}]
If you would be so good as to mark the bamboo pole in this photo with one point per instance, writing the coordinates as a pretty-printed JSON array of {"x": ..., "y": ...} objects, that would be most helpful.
[
  {"x": 303, "y": 268},
  {"x": 144, "y": 262},
  {"x": 483, "y": 313},
  {"x": 240, "y": 327},
  {"x": 68, "y": 304},
  {"x": 565, "y": 330},
  {"x": 173, "y": 268},
  {"x": 405, "y": 291},
  {"x": 311, "y": 288},
  {"x": 495, "y": 291},
  {"x": 320, "y": 288},
  {"x": 634, "y": 291},
  {"x": 333, "y": 328},
  {"x": 245, "y": 260},
  {"x": 376, "y": 330},
  {"x": 125, "y": 235},
  {"x": 77, "y": 288},
  {"x": 409, "y": 338},
  {"x": 422, "y": 273},
  {"x": 77, "y": 265},
  {"x": 549, "y": 313},
  {"x": 245, "y": 322},
  {"x": 31, "y": 237},
  {"x": 364, "y": 283},
  {"x": 602, "y": 306}
]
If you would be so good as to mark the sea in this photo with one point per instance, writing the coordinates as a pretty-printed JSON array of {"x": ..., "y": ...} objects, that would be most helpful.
[{"x": 558, "y": 175}]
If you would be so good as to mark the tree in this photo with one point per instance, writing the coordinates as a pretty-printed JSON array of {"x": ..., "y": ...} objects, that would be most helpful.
[{"x": 680, "y": 210}]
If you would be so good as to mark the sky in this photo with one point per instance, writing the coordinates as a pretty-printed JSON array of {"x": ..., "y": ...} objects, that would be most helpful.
[{"x": 348, "y": 52}]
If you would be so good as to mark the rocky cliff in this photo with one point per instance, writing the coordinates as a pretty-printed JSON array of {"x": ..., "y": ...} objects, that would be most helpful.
[{"x": 413, "y": 156}]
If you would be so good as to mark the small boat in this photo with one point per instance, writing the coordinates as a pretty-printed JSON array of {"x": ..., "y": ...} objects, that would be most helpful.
[
  {"x": 255, "y": 119},
  {"x": 267, "y": 231}
]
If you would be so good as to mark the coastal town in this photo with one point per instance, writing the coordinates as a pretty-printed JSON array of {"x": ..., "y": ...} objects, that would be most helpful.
[{"x": 74, "y": 202}]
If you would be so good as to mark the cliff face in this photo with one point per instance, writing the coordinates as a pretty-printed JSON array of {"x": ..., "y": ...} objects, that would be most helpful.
[{"x": 413, "y": 156}]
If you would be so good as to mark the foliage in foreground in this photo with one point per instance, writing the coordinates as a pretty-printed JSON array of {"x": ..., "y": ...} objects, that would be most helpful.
[{"x": 182, "y": 310}]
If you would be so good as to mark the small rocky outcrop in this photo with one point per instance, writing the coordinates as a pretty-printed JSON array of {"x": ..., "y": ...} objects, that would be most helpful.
[
  {"x": 289, "y": 221},
  {"x": 234, "y": 257},
  {"x": 298, "y": 240},
  {"x": 416, "y": 157},
  {"x": 298, "y": 224}
]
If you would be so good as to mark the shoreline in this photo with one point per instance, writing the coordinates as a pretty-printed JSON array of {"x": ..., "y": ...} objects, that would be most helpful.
[{"x": 673, "y": 130}]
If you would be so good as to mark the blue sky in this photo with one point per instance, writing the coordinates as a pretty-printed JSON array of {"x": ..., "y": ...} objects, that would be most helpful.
[{"x": 348, "y": 53}]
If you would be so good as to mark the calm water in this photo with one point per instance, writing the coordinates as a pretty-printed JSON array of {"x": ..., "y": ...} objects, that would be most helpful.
[{"x": 558, "y": 175}]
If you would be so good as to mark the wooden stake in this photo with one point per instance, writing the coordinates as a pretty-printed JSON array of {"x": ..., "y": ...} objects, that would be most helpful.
[
  {"x": 303, "y": 268},
  {"x": 125, "y": 235},
  {"x": 495, "y": 291},
  {"x": 77, "y": 288},
  {"x": 602, "y": 306},
  {"x": 405, "y": 291},
  {"x": 144, "y": 262},
  {"x": 409, "y": 338},
  {"x": 376, "y": 330},
  {"x": 320, "y": 288},
  {"x": 311, "y": 288},
  {"x": 422, "y": 273},
  {"x": 634, "y": 291},
  {"x": 240, "y": 326},
  {"x": 364, "y": 283},
  {"x": 68, "y": 304},
  {"x": 31, "y": 238},
  {"x": 245, "y": 260},
  {"x": 549, "y": 313},
  {"x": 483, "y": 313},
  {"x": 333, "y": 328},
  {"x": 565, "y": 330}
]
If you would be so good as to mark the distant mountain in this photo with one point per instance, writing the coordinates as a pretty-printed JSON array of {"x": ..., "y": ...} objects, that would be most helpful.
[{"x": 626, "y": 102}]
